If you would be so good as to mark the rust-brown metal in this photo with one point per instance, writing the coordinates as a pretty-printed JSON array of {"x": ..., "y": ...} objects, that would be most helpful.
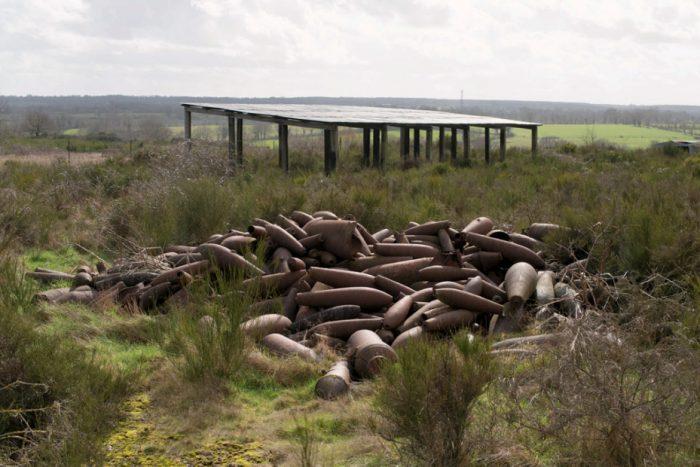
[
  {"x": 407, "y": 336},
  {"x": 369, "y": 353},
  {"x": 365, "y": 297},
  {"x": 341, "y": 277},
  {"x": 460, "y": 299},
  {"x": 266, "y": 324},
  {"x": 520, "y": 283},
  {"x": 510, "y": 251},
  {"x": 284, "y": 346},
  {"x": 345, "y": 328},
  {"x": 405, "y": 272},
  {"x": 336, "y": 381},
  {"x": 450, "y": 320},
  {"x": 406, "y": 249},
  {"x": 397, "y": 313}
]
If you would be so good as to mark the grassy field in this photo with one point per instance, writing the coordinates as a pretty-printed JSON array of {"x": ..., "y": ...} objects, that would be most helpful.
[
  {"x": 628, "y": 136},
  {"x": 127, "y": 398}
]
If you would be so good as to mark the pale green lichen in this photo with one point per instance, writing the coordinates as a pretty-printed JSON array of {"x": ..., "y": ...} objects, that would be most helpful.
[{"x": 137, "y": 441}]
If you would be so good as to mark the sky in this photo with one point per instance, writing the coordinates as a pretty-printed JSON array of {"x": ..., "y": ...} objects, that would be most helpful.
[{"x": 641, "y": 52}]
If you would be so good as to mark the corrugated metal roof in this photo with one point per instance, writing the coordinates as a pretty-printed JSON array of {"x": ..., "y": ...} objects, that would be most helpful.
[{"x": 356, "y": 115}]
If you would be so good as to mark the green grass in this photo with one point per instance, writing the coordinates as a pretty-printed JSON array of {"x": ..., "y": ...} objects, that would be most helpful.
[{"x": 628, "y": 136}]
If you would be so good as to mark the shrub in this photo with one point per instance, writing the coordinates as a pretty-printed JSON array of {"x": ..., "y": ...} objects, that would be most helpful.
[
  {"x": 425, "y": 399},
  {"x": 597, "y": 399},
  {"x": 55, "y": 401}
]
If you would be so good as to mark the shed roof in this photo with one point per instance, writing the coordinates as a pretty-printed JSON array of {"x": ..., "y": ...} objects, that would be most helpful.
[{"x": 347, "y": 115}]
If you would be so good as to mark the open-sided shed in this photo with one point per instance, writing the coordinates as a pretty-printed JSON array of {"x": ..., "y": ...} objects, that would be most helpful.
[{"x": 374, "y": 122}]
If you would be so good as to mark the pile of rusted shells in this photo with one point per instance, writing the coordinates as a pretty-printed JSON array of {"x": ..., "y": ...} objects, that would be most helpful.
[{"x": 327, "y": 280}]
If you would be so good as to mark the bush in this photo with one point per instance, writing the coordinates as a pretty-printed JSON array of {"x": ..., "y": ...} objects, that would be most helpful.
[
  {"x": 597, "y": 399},
  {"x": 55, "y": 402},
  {"x": 425, "y": 399}
]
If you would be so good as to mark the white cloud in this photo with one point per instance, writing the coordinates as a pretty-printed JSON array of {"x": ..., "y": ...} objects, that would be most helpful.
[{"x": 624, "y": 51}]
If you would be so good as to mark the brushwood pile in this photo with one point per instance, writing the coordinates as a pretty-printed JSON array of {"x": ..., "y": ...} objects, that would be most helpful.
[{"x": 322, "y": 279}]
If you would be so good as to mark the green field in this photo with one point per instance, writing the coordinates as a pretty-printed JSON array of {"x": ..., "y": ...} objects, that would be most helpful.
[
  {"x": 629, "y": 136},
  {"x": 623, "y": 135}
]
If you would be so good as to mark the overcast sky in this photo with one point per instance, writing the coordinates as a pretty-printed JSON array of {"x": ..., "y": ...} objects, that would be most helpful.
[{"x": 607, "y": 51}]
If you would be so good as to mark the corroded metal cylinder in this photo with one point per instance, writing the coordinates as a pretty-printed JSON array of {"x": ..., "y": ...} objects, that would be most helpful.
[
  {"x": 540, "y": 230},
  {"x": 446, "y": 273},
  {"x": 397, "y": 313},
  {"x": 227, "y": 260},
  {"x": 345, "y": 328},
  {"x": 335, "y": 382},
  {"x": 454, "y": 319},
  {"x": 520, "y": 283},
  {"x": 335, "y": 313},
  {"x": 405, "y": 272},
  {"x": 544, "y": 291},
  {"x": 406, "y": 249},
  {"x": 480, "y": 225},
  {"x": 266, "y": 324},
  {"x": 407, "y": 336},
  {"x": 341, "y": 277},
  {"x": 510, "y": 251},
  {"x": 281, "y": 345},
  {"x": 282, "y": 238},
  {"x": 460, "y": 299},
  {"x": 369, "y": 353},
  {"x": 365, "y": 297},
  {"x": 428, "y": 228},
  {"x": 238, "y": 243},
  {"x": 390, "y": 286},
  {"x": 339, "y": 237}
]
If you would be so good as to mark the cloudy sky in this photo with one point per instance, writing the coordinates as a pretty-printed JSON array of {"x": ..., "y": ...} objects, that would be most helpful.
[{"x": 602, "y": 51}]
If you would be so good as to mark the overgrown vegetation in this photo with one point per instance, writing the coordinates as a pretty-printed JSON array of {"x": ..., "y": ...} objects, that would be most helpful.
[
  {"x": 425, "y": 399},
  {"x": 634, "y": 394}
]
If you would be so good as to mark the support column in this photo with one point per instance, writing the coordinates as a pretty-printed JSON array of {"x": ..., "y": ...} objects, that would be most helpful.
[
  {"x": 384, "y": 144},
  {"x": 231, "y": 139},
  {"x": 467, "y": 141},
  {"x": 503, "y": 144},
  {"x": 453, "y": 144},
  {"x": 239, "y": 141},
  {"x": 404, "y": 143},
  {"x": 487, "y": 145},
  {"x": 416, "y": 144},
  {"x": 533, "y": 144},
  {"x": 365, "y": 147},
  {"x": 441, "y": 144},
  {"x": 330, "y": 149},
  {"x": 376, "y": 146},
  {"x": 188, "y": 130},
  {"x": 283, "y": 136},
  {"x": 428, "y": 143}
]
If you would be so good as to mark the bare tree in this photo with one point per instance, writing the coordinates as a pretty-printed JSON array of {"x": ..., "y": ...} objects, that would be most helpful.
[
  {"x": 36, "y": 123},
  {"x": 153, "y": 129}
]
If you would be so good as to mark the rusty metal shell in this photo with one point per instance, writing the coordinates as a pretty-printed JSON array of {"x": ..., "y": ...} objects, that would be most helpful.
[
  {"x": 521, "y": 280},
  {"x": 227, "y": 260},
  {"x": 345, "y": 328},
  {"x": 336, "y": 313},
  {"x": 396, "y": 289},
  {"x": 428, "y": 228},
  {"x": 407, "y": 336},
  {"x": 475, "y": 285},
  {"x": 301, "y": 217},
  {"x": 397, "y": 313},
  {"x": 480, "y": 225},
  {"x": 154, "y": 295},
  {"x": 335, "y": 382},
  {"x": 510, "y": 251},
  {"x": 282, "y": 238},
  {"x": 363, "y": 296},
  {"x": 266, "y": 324},
  {"x": 366, "y": 262},
  {"x": 238, "y": 242},
  {"x": 484, "y": 260},
  {"x": 423, "y": 294},
  {"x": 381, "y": 235},
  {"x": 281, "y": 345},
  {"x": 52, "y": 295},
  {"x": 279, "y": 262},
  {"x": 405, "y": 272},
  {"x": 312, "y": 241},
  {"x": 544, "y": 290},
  {"x": 446, "y": 273},
  {"x": 450, "y": 320},
  {"x": 460, "y": 299},
  {"x": 369, "y": 353},
  {"x": 277, "y": 282},
  {"x": 341, "y": 277},
  {"x": 526, "y": 241},
  {"x": 339, "y": 237},
  {"x": 406, "y": 249}
]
